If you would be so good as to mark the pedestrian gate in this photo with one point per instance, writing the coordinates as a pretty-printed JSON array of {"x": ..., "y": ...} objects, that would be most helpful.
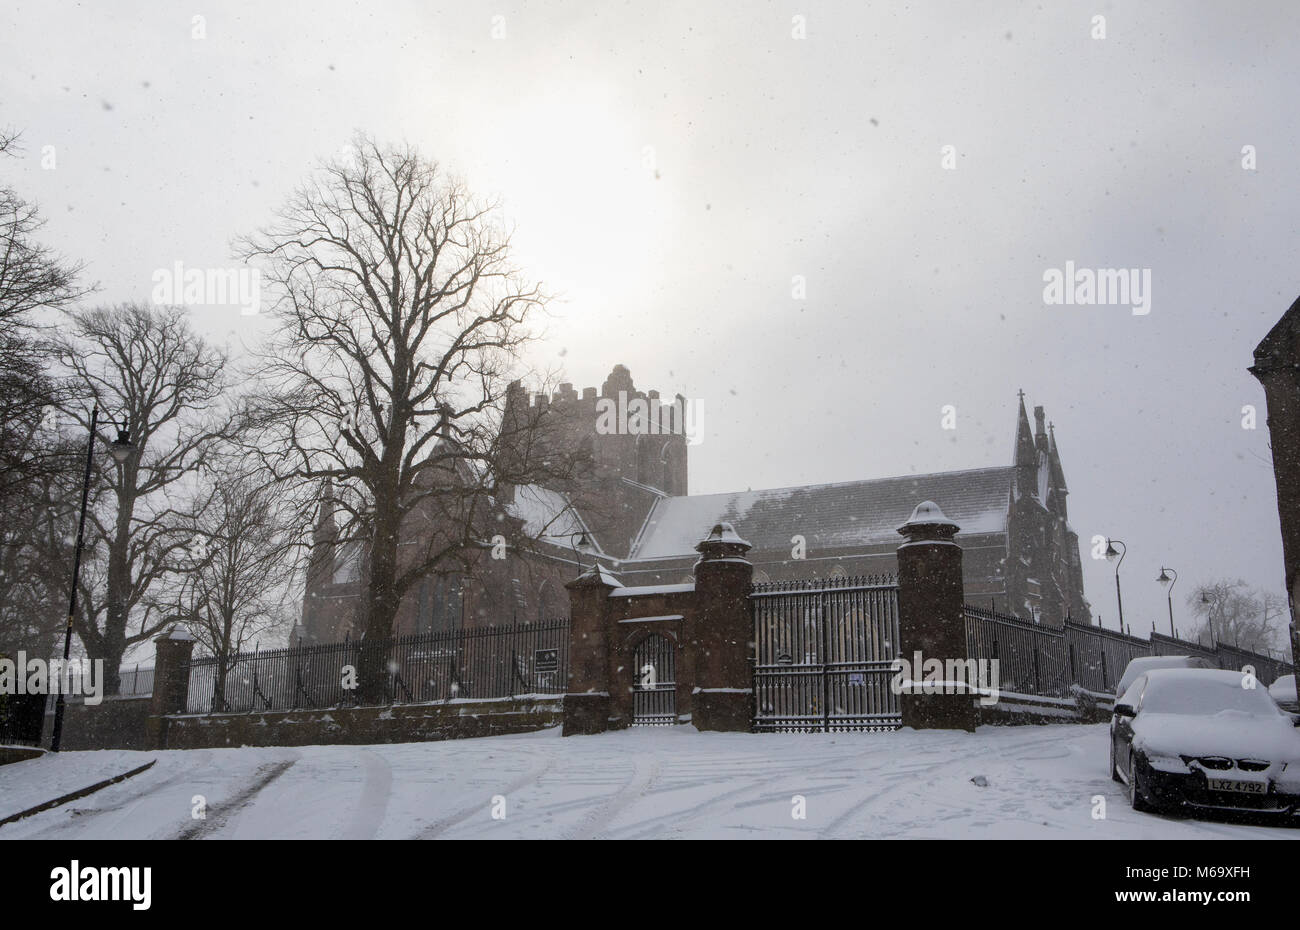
[
  {"x": 654, "y": 690},
  {"x": 824, "y": 651}
]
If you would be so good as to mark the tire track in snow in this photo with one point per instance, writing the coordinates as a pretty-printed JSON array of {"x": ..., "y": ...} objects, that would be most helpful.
[
  {"x": 692, "y": 814},
  {"x": 231, "y": 809},
  {"x": 784, "y": 770},
  {"x": 638, "y": 784},
  {"x": 102, "y": 818},
  {"x": 828, "y": 832},
  {"x": 439, "y": 827},
  {"x": 375, "y": 794}
]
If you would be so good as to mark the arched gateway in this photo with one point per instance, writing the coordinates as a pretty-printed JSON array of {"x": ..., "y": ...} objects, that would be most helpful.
[{"x": 654, "y": 688}]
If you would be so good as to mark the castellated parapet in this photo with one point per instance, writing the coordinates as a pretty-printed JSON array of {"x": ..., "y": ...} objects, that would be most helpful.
[{"x": 651, "y": 451}]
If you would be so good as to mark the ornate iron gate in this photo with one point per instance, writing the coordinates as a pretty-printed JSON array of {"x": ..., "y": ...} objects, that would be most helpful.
[
  {"x": 824, "y": 651},
  {"x": 654, "y": 691}
]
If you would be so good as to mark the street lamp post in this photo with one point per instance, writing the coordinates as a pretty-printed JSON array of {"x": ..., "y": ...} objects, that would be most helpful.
[
  {"x": 1169, "y": 583},
  {"x": 1111, "y": 556},
  {"x": 121, "y": 448},
  {"x": 583, "y": 544},
  {"x": 1209, "y": 617}
]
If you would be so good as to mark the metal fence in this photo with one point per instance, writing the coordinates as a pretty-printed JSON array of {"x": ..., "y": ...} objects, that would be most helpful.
[
  {"x": 1034, "y": 659},
  {"x": 1031, "y": 659},
  {"x": 135, "y": 682},
  {"x": 824, "y": 651},
  {"x": 132, "y": 681},
  {"x": 494, "y": 662}
]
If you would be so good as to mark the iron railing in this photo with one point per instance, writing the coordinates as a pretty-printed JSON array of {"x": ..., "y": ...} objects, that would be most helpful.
[
  {"x": 132, "y": 681},
  {"x": 1034, "y": 659},
  {"x": 493, "y": 662}
]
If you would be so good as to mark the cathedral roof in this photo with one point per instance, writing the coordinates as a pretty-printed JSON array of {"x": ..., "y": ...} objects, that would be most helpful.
[
  {"x": 546, "y": 514},
  {"x": 848, "y": 514}
]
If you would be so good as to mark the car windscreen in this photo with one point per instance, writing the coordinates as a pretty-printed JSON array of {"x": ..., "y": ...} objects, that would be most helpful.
[
  {"x": 1189, "y": 696},
  {"x": 1144, "y": 664}
]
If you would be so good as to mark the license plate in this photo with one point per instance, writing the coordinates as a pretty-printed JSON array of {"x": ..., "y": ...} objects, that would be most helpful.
[{"x": 1244, "y": 787}]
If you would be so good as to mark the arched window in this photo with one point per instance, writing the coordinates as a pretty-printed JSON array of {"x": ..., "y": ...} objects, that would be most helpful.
[
  {"x": 422, "y": 616},
  {"x": 446, "y": 603},
  {"x": 548, "y": 602},
  {"x": 645, "y": 459},
  {"x": 671, "y": 460}
]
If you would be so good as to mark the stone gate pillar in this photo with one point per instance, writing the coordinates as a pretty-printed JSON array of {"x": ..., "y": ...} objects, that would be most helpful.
[
  {"x": 722, "y": 634},
  {"x": 931, "y": 615},
  {"x": 1277, "y": 367},
  {"x": 171, "y": 681},
  {"x": 586, "y": 695}
]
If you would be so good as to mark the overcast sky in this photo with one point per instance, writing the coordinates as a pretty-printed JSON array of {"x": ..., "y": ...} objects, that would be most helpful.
[{"x": 769, "y": 157}]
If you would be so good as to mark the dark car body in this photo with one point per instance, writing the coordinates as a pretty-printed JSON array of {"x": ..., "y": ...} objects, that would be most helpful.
[
  {"x": 1283, "y": 692},
  {"x": 1197, "y": 739}
]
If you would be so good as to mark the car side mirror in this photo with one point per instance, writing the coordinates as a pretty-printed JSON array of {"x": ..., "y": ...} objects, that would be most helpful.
[{"x": 1126, "y": 710}]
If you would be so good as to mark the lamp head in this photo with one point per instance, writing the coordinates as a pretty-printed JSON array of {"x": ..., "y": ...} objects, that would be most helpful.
[
  {"x": 121, "y": 447},
  {"x": 1164, "y": 578},
  {"x": 1111, "y": 552}
]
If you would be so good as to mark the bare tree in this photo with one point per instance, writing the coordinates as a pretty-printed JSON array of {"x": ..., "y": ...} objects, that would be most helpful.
[
  {"x": 400, "y": 318},
  {"x": 148, "y": 370},
  {"x": 35, "y": 457},
  {"x": 36, "y": 537},
  {"x": 242, "y": 559},
  {"x": 1232, "y": 612},
  {"x": 32, "y": 278}
]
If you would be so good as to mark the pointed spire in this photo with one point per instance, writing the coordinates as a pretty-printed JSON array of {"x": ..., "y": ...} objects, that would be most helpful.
[
  {"x": 1054, "y": 459},
  {"x": 1025, "y": 452},
  {"x": 326, "y": 527},
  {"x": 1025, "y": 459}
]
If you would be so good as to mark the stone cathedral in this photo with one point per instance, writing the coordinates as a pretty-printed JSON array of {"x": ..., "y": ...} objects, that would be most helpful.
[{"x": 632, "y": 512}]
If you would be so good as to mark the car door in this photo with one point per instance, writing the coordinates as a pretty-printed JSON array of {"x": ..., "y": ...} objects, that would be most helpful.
[{"x": 1123, "y": 732}]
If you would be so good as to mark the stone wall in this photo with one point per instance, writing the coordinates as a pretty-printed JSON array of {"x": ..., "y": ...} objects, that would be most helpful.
[
  {"x": 400, "y": 723},
  {"x": 116, "y": 723}
]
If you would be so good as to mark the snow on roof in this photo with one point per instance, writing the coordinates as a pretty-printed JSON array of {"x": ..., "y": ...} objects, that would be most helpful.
[
  {"x": 600, "y": 573},
  {"x": 848, "y": 514},
  {"x": 547, "y": 514},
  {"x": 724, "y": 533},
  {"x": 643, "y": 590}
]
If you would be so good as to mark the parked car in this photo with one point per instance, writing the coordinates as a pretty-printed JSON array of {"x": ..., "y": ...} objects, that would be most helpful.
[
  {"x": 1195, "y": 738},
  {"x": 1283, "y": 692},
  {"x": 1146, "y": 663}
]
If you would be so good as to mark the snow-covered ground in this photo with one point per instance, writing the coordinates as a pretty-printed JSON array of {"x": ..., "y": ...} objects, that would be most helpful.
[{"x": 643, "y": 783}]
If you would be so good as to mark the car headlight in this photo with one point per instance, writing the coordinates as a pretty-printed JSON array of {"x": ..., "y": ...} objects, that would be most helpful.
[{"x": 1166, "y": 762}]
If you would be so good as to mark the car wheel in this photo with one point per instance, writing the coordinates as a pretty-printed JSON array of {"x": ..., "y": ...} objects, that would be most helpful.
[
  {"x": 1137, "y": 797},
  {"x": 1114, "y": 772}
]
